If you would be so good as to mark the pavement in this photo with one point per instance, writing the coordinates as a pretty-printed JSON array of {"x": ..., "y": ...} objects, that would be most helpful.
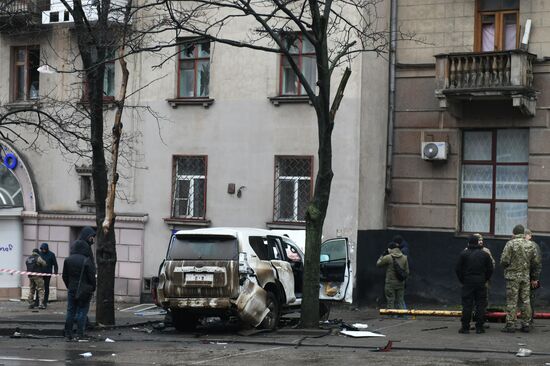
[{"x": 428, "y": 334}]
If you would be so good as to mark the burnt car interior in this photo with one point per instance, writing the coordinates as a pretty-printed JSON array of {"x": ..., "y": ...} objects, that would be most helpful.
[{"x": 333, "y": 261}]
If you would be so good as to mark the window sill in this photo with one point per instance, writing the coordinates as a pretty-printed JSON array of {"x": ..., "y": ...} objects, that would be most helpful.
[
  {"x": 108, "y": 103},
  {"x": 187, "y": 222},
  {"x": 86, "y": 203},
  {"x": 23, "y": 104},
  {"x": 301, "y": 225},
  {"x": 290, "y": 99},
  {"x": 205, "y": 102}
]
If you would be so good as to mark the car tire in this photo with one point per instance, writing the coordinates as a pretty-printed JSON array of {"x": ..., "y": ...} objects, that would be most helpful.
[
  {"x": 271, "y": 320},
  {"x": 184, "y": 322}
]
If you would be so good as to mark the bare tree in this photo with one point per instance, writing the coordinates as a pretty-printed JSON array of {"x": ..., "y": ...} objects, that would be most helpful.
[
  {"x": 338, "y": 30},
  {"x": 76, "y": 124}
]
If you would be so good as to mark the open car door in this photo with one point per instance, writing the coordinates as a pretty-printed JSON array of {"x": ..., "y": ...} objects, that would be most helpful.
[{"x": 336, "y": 282}]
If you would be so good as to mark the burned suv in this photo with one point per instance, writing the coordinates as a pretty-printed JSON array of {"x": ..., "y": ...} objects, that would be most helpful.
[{"x": 252, "y": 274}]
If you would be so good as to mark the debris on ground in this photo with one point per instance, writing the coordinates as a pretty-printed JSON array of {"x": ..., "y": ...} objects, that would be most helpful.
[
  {"x": 86, "y": 354},
  {"x": 524, "y": 352},
  {"x": 360, "y": 333},
  {"x": 428, "y": 329},
  {"x": 109, "y": 340},
  {"x": 144, "y": 330},
  {"x": 386, "y": 348}
]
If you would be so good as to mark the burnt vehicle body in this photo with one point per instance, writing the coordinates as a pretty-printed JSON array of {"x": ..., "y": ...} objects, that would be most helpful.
[{"x": 253, "y": 274}]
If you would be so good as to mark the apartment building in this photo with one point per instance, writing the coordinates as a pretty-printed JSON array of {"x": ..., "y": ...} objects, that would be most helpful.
[
  {"x": 232, "y": 142},
  {"x": 471, "y": 136}
]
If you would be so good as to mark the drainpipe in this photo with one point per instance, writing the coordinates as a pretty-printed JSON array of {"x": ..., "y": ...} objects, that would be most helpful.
[{"x": 391, "y": 95}]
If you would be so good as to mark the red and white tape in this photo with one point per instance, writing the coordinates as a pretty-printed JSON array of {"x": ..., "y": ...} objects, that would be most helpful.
[{"x": 14, "y": 271}]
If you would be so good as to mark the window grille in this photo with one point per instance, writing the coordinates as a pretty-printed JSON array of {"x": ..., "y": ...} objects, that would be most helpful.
[
  {"x": 189, "y": 197},
  {"x": 292, "y": 188}
]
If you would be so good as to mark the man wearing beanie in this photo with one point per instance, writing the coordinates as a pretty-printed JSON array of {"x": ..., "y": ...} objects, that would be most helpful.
[
  {"x": 51, "y": 264},
  {"x": 474, "y": 269}
]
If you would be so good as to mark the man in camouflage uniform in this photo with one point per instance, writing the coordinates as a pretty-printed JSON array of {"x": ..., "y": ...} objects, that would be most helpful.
[
  {"x": 394, "y": 288},
  {"x": 518, "y": 258},
  {"x": 535, "y": 273}
]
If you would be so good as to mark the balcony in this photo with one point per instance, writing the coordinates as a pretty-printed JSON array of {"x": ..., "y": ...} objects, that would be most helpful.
[
  {"x": 19, "y": 15},
  {"x": 506, "y": 76}
]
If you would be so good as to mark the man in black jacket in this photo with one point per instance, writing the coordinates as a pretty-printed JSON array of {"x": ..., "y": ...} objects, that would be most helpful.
[
  {"x": 474, "y": 269},
  {"x": 79, "y": 278},
  {"x": 51, "y": 263}
]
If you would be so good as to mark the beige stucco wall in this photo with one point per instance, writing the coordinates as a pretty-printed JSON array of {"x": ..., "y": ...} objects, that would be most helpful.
[{"x": 241, "y": 133}]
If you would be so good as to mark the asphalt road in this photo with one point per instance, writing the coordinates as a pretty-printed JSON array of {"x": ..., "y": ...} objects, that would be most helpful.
[{"x": 415, "y": 343}]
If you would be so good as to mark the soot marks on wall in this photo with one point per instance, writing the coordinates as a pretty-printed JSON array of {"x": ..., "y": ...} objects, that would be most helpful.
[{"x": 432, "y": 261}]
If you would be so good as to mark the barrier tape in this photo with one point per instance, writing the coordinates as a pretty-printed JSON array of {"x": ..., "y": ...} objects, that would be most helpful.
[{"x": 13, "y": 271}]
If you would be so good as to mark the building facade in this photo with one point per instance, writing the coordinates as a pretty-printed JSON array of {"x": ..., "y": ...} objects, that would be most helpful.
[
  {"x": 232, "y": 142},
  {"x": 474, "y": 84}
]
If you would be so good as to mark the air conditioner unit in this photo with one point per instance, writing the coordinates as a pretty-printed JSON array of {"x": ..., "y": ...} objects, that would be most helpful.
[{"x": 434, "y": 150}]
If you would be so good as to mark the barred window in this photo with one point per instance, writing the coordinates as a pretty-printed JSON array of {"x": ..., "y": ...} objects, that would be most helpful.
[
  {"x": 189, "y": 187},
  {"x": 292, "y": 187}
]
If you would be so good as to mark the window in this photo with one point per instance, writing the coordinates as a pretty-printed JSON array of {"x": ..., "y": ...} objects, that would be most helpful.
[
  {"x": 189, "y": 187},
  {"x": 494, "y": 180},
  {"x": 108, "y": 77},
  {"x": 292, "y": 187},
  {"x": 497, "y": 25},
  {"x": 303, "y": 53},
  {"x": 193, "y": 70},
  {"x": 87, "y": 197},
  {"x": 26, "y": 61}
]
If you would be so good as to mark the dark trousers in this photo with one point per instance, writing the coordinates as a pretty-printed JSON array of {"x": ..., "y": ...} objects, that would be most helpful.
[
  {"x": 474, "y": 295},
  {"x": 76, "y": 310}
]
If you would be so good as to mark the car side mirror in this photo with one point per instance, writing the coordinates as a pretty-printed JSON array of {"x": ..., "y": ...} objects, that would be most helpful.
[{"x": 324, "y": 258}]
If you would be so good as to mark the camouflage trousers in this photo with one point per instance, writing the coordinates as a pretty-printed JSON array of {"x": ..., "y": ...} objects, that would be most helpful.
[
  {"x": 395, "y": 296},
  {"x": 518, "y": 292},
  {"x": 36, "y": 285}
]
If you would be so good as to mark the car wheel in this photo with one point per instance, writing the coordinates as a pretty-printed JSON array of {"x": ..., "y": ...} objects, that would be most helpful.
[
  {"x": 271, "y": 320},
  {"x": 183, "y": 321}
]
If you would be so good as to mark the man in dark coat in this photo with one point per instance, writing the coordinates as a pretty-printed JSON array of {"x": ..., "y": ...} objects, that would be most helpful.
[
  {"x": 51, "y": 263},
  {"x": 78, "y": 272},
  {"x": 474, "y": 269},
  {"x": 87, "y": 234}
]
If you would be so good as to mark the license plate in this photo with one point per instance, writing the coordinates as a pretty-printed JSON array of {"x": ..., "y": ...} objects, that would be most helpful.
[{"x": 199, "y": 277}]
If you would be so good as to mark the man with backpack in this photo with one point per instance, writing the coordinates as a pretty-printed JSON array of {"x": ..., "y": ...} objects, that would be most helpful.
[
  {"x": 35, "y": 264},
  {"x": 397, "y": 271}
]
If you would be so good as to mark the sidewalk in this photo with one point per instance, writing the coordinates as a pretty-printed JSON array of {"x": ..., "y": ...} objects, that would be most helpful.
[
  {"x": 425, "y": 334},
  {"x": 16, "y": 314}
]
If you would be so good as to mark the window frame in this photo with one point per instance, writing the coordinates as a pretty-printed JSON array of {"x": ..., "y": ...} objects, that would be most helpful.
[
  {"x": 110, "y": 59},
  {"x": 499, "y": 27},
  {"x": 175, "y": 179},
  {"x": 27, "y": 70},
  {"x": 297, "y": 179},
  {"x": 494, "y": 165},
  {"x": 300, "y": 54},
  {"x": 196, "y": 60}
]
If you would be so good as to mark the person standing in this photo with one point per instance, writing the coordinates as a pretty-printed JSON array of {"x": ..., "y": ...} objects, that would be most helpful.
[
  {"x": 79, "y": 278},
  {"x": 397, "y": 267},
  {"x": 51, "y": 264},
  {"x": 35, "y": 264},
  {"x": 474, "y": 269},
  {"x": 403, "y": 245},
  {"x": 534, "y": 273},
  {"x": 519, "y": 258}
]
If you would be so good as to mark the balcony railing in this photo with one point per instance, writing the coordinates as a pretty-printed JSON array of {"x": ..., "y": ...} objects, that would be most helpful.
[
  {"x": 488, "y": 75},
  {"x": 19, "y": 15},
  {"x": 18, "y": 7}
]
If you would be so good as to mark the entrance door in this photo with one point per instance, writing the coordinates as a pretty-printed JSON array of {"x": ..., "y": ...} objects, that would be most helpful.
[{"x": 11, "y": 243}]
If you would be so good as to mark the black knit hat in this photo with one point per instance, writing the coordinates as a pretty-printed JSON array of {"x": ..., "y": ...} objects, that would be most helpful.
[{"x": 473, "y": 240}]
